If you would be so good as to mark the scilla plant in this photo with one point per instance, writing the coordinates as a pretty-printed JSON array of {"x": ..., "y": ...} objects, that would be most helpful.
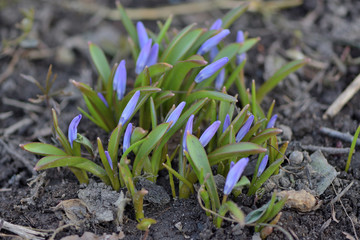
[{"x": 181, "y": 84}]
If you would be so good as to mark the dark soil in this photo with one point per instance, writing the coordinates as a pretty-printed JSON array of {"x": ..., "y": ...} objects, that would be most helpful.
[{"x": 326, "y": 31}]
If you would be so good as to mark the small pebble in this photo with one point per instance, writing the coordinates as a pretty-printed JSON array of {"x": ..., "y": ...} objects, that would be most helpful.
[
  {"x": 287, "y": 132},
  {"x": 237, "y": 230},
  {"x": 296, "y": 157},
  {"x": 284, "y": 182}
]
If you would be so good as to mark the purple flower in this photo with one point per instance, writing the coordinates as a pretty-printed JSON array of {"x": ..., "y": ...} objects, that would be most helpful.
[
  {"x": 226, "y": 122},
  {"x": 119, "y": 82},
  {"x": 240, "y": 38},
  {"x": 129, "y": 109},
  {"x": 210, "y": 69},
  {"x": 143, "y": 57},
  {"x": 219, "y": 80},
  {"x": 244, "y": 129},
  {"x": 234, "y": 174},
  {"x": 216, "y": 25},
  {"x": 213, "y": 53},
  {"x": 127, "y": 137},
  {"x": 209, "y": 133},
  {"x": 153, "y": 57},
  {"x": 102, "y": 98},
  {"x": 272, "y": 121},
  {"x": 188, "y": 129},
  {"x": 174, "y": 116},
  {"x": 109, "y": 159},
  {"x": 212, "y": 42},
  {"x": 72, "y": 131},
  {"x": 240, "y": 58},
  {"x": 262, "y": 165},
  {"x": 142, "y": 34}
]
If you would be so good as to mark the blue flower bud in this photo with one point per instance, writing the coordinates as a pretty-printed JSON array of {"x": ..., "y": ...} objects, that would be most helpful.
[
  {"x": 240, "y": 58},
  {"x": 129, "y": 109},
  {"x": 213, "y": 53},
  {"x": 272, "y": 121},
  {"x": 244, "y": 129},
  {"x": 174, "y": 116},
  {"x": 212, "y": 42},
  {"x": 153, "y": 57},
  {"x": 109, "y": 159},
  {"x": 262, "y": 165},
  {"x": 127, "y": 137},
  {"x": 216, "y": 25},
  {"x": 143, "y": 57},
  {"x": 209, "y": 133},
  {"x": 102, "y": 98},
  {"x": 72, "y": 131},
  {"x": 219, "y": 80},
  {"x": 119, "y": 82},
  {"x": 188, "y": 129},
  {"x": 240, "y": 38},
  {"x": 142, "y": 34},
  {"x": 210, "y": 69},
  {"x": 234, "y": 174},
  {"x": 226, "y": 122}
]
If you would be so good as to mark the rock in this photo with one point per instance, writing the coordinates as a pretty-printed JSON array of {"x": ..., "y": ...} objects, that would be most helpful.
[
  {"x": 296, "y": 157},
  {"x": 156, "y": 194},
  {"x": 300, "y": 200},
  {"x": 287, "y": 132}
]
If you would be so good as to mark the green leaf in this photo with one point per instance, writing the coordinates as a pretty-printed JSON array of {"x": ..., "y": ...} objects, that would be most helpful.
[
  {"x": 255, "y": 215},
  {"x": 153, "y": 71},
  {"x": 175, "y": 77},
  {"x": 174, "y": 43},
  {"x": 265, "y": 135},
  {"x": 205, "y": 36},
  {"x": 229, "y": 51},
  {"x": 200, "y": 164},
  {"x": 247, "y": 44},
  {"x": 62, "y": 138},
  {"x": 182, "y": 46},
  {"x": 211, "y": 95},
  {"x": 241, "y": 149},
  {"x": 72, "y": 161},
  {"x": 163, "y": 97},
  {"x": 129, "y": 26},
  {"x": 236, "y": 212},
  {"x": 100, "y": 61},
  {"x": 85, "y": 142},
  {"x": 42, "y": 149},
  {"x": 106, "y": 164},
  {"x": 278, "y": 76},
  {"x": 164, "y": 30},
  {"x": 234, "y": 14},
  {"x": 152, "y": 139},
  {"x": 352, "y": 148},
  {"x": 234, "y": 75},
  {"x": 113, "y": 145}
]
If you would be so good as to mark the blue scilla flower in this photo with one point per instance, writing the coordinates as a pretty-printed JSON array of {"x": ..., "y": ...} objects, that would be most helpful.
[
  {"x": 109, "y": 159},
  {"x": 127, "y": 137},
  {"x": 234, "y": 174},
  {"x": 216, "y": 25},
  {"x": 240, "y": 58},
  {"x": 240, "y": 38},
  {"x": 129, "y": 109},
  {"x": 262, "y": 165},
  {"x": 210, "y": 69},
  {"x": 143, "y": 57},
  {"x": 174, "y": 116},
  {"x": 188, "y": 130},
  {"x": 102, "y": 98},
  {"x": 119, "y": 82},
  {"x": 272, "y": 121},
  {"x": 219, "y": 80},
  {"x": 153, "y": 56},
  {"x": 244, "y": 129},
  {"x": 212, "y": 42},
  {"x": 142, "y": 34},
  {"x": 72, "y": 131},
  {"x": 209, "y": 133},
  {"x": 226, "y": 122}
]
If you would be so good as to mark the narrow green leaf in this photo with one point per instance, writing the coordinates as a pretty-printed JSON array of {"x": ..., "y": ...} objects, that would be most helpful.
[
  {"x": 164, "y": 30},
  {"x": 153, "y": 113},
  {"x": 234, "y": 14},
  {"x": 236, "y": 212},
  {"x": 175, "y": 41},
  {"x": 255, "y": 215},
  {"x": 152, "y": 139},
  {"x": 352, "y": 148},
  {"x": 72, "y": 161},
  {"x": 100, "y": 62},
  {"x": 248, "y": 43},
  {"x": 278, "y": 76},
  {"x": 211, "y": 95},
  {"x": 85, "y": 142},
  {"x": 62, "y": 138},
  {"x": 42, "y": 149},
  {"x": 265, "y": 135},
  {"x": 129, "y": 26},
  {"x": 241, "y": 149}
]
